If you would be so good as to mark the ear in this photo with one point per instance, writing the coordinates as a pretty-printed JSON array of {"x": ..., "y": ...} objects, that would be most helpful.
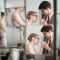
[{"x": 32, "y": 38}]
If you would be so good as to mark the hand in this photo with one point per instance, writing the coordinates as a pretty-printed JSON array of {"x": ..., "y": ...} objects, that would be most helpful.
[
  {"x": 42, "y": 21},
  {"x": 45, "y": 23}
]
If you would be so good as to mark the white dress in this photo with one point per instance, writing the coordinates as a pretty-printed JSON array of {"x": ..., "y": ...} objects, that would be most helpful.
[
  {"x": 3, "y": 39},
  {"x": 13, "y": 21}
]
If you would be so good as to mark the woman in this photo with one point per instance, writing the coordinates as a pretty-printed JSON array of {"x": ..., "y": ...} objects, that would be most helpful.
[
  {"x": 32, "y": 17},
  {"x": 33, "y": 40},
  {"x": 16, "y": 17},
  {"x": 3, "y": 42}
]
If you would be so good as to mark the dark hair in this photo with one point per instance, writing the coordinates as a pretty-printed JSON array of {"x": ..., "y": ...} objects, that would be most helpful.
[
  {"x": 44, "y": 5},
  {"x": 2, "y": 14},
  {"x": 46, "y": 28}
]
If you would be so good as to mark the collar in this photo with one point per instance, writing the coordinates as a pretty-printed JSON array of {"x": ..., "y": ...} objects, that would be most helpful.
[
  {"x": 51, "y": 14},
  {"x": 51, "y": 39}
]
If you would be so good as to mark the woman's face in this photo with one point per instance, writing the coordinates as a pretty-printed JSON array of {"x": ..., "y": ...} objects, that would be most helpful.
[
  {"x": 34, "y": 17},
  {"x": 36, "y": 40}
]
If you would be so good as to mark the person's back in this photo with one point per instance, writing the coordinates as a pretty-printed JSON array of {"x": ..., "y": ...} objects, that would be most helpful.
[{"x": 16, "y": 18}]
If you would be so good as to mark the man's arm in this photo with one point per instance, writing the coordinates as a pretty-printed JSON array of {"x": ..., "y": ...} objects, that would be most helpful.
[{"x": 44, "y": 45}]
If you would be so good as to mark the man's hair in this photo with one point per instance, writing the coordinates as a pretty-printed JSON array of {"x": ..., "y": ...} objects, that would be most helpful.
[
  {"x": 44, "y": 5},
  {"x": 47, "y": 28},
  {"x": 2, "y": 14}
]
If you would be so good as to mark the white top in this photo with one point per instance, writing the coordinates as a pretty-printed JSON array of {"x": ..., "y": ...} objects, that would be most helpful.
[
  {"x": 32, "y": 48},
  {"x": 13, "y": 21}
]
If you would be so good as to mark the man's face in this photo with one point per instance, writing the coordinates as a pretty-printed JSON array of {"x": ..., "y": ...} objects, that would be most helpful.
[
  {"x": 47, "y": 34},
  {"x": 45, "y": 11}
]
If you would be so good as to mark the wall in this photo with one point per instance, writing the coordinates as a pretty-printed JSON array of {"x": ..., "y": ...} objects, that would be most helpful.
[
  {"x": 58, "y": 25},
  {"x": 2, "y": 5}
]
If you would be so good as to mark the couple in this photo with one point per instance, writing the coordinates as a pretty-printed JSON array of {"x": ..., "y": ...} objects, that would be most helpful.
[
  {"x": 47, "y": 44},
  {"x": 18, "y": 21},
  {"x": 45, "y": 8}
]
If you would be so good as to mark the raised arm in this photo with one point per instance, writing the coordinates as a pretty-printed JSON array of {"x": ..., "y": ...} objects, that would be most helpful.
[{"x": 19, "y": 20}]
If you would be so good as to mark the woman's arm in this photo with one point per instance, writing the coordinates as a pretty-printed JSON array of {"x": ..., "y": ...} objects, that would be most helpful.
[
  {"x": 3, "y": 25},
  {"x": 19, "y": 20}
]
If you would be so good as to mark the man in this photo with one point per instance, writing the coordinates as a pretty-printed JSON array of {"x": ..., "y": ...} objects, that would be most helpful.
[
  {"x": 46, "y": 9},
  {"x": 47, "y": 44}
]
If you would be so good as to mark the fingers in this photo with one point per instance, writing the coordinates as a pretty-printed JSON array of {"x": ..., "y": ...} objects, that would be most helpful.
[{"x": 43, "y": 22}]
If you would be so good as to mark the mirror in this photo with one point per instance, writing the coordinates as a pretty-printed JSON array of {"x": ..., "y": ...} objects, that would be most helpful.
[{"x": 14, "y": 33}]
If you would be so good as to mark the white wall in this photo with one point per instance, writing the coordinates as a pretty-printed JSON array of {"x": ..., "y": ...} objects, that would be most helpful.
[
  {"x": 58, "y": 25},
  {"x": 14, "y": 3},
  {"x": 35, "y": 29},
  {"x": 58, "y": 6},
  {"x": 58, "y": 31},
  {"x": 2, "y": 5}
]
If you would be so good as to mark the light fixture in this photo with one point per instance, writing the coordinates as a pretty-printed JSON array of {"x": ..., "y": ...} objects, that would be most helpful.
[{"x": 7, "y": 11}]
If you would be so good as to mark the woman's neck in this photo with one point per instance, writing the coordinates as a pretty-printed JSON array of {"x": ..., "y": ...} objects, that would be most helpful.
[
  {"x": 31, "y": 43},
  {"x": 30, "y": 22}
]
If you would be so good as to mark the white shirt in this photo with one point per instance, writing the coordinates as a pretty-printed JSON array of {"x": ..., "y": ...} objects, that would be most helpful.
[
  {"x": 50, "y": 16},
  {"x": 51, "y": 40}
]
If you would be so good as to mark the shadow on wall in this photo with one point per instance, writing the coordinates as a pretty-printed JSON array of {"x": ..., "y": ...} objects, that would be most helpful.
[{"x": 58, "y": 41}]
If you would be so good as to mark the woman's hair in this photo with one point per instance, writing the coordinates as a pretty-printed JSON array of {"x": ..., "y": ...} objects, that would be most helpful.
[
  {"x": 32, "y": 35},
  {"x": 30, "y": 13},
  {"x": 2, "y": 14}
]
